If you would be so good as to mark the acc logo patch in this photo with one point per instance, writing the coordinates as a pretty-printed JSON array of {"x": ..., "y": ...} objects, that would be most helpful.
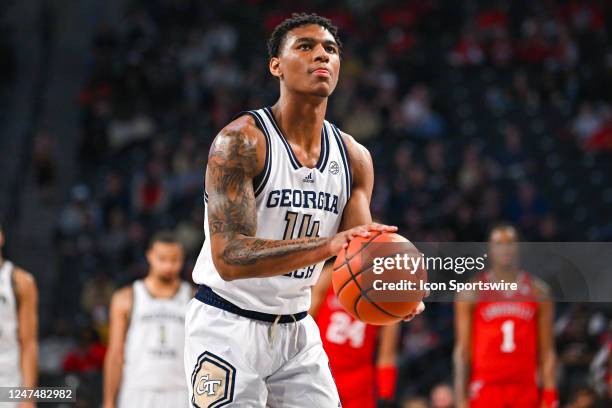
[
  {"x": 212, "y": 382},
  {"x": 334, "y": 168}
]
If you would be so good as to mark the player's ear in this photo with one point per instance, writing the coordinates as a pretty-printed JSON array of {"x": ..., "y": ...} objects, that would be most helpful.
[{"x": 275, "y": 67}]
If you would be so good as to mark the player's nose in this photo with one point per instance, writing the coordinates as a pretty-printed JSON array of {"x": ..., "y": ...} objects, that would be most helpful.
[{"x": 321, "y": 54}]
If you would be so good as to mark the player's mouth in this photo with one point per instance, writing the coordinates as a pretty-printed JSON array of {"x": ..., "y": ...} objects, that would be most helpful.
[{"x": 322, "y": 72}]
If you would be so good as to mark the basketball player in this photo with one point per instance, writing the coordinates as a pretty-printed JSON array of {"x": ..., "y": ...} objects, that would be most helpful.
[
  {"x": 144, "y": 362},
  {"x": 351, "y": 346},
  {"x": 280, "y": 183},
  {"x": 18, "y": 327},
  {"x": 505, "y": 339}
]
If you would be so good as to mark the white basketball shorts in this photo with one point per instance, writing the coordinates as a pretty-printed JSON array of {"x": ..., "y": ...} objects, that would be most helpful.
[
  {"x": 235, "y": 361},
  {"x": 142, "y": 397}
]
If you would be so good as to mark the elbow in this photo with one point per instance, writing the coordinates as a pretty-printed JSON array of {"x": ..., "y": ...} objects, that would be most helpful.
[{"x": 226, "y": 272}]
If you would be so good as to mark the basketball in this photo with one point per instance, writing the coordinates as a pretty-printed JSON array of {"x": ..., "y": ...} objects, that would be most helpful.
[{"x": 353, "y": 277}]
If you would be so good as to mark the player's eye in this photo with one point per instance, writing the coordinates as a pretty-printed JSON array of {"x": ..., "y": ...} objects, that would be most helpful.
[
  {"x": 331, "y": 49},
  {"x": 305, "y": 46}
]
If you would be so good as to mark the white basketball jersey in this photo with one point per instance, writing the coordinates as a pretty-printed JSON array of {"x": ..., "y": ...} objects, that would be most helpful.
[
  {"x": 153, "y": 356},
  {"x": 10, "y": 368},
  {"x": 292, "y": 202}
]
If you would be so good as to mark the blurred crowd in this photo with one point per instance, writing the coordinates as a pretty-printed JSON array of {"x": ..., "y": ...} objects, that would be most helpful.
[{"x": 474, "y": 112}]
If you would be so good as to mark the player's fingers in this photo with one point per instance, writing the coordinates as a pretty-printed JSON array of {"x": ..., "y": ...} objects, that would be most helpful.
[
  {"x": 362, "y": 231},
  {"x": 383, "y": 228},
  {"x": 420, "y": 308},
  {"x": 409, "y": 317}
]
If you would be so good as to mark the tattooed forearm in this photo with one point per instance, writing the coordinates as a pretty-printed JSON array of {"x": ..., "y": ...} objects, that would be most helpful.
[{"x": 250, "y": 251}]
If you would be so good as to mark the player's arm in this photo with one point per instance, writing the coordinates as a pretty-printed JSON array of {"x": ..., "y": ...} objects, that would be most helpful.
[
  {"x": 546, "y": 347},
  {"x": 27, "y": 315},
  {"x": 235, "y": 158},
  {"x": 121, "y": 305},
  {"x": 462, "y": 352},
  {"x": 386, "y": 369}
]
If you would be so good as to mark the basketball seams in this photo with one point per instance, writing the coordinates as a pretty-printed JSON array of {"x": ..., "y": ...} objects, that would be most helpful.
[
  {"x": 364, "y": 246},
  {"x": 362, "y": 293}
]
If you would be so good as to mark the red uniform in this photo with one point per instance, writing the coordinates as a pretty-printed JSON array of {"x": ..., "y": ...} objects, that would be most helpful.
[
  {"x": 504, "y": 348},
  {"x": 350, "y": 345}
]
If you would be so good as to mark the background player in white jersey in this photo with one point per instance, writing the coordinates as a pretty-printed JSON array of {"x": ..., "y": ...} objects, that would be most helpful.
[
  {"x": 280, "y": 183},
  {"x": 144, "y": 362},
  {"x": 18, "y": 327}
]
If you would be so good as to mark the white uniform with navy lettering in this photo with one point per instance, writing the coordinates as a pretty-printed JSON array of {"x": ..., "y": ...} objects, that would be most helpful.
[
  {"x": 153, "y": 356},
  {"x": 264, "y": 364},
  {"x": 10, "y": 369}
]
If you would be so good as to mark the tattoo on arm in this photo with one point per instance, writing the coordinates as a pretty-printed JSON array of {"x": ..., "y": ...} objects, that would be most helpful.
[
  {"x": 249, "y": 251},
  {"x": 232, "y": 163},
  {"x": 231, "y": 202}
]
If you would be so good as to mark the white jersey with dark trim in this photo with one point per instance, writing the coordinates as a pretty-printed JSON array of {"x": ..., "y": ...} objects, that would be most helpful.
[
  {"x": 153, "y": 353},
  {"x": 292, "y": 202},
  {"x": 10, "y": 368}
]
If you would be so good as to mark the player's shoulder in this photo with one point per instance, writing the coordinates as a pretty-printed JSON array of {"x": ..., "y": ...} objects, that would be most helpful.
[
  {"x": 23, "y": 280},
  {"x": 359, "y": 157},
  {"x": 123, "y": 298},
  {"x": 240, "y": 143},
  {"x": 243, "y": 129},
  {"x": 356, "y": 150}
]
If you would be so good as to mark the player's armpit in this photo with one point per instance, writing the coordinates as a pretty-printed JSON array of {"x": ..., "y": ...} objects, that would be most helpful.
[{"x": 27, "y": 299}]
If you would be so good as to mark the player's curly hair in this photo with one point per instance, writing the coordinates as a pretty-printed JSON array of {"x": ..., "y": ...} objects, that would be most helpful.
[{"x": 296, "y": 20}]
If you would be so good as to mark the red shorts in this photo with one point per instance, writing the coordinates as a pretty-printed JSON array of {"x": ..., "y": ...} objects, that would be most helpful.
[{"x": 503, "y": 395}]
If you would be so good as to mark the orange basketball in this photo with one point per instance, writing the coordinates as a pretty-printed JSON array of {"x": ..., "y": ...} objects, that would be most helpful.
[{"x": 353, "y": 279}]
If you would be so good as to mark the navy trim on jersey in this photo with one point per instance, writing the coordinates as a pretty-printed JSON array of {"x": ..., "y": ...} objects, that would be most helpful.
[
  {"x": 292, "y": 157},
  {"x": 260, "y": 180},
  {"x": 346, "y": 161},
  {"x": 205, "y": 197},
  {"x": 294, "y": 161},
  {"x": 324, "y": 149}
]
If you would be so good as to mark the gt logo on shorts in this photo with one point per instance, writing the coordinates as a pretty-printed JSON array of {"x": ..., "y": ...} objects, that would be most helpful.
[{"x": 212, "y": 382}]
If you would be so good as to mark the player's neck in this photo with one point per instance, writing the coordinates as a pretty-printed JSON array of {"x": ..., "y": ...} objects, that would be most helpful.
[
  {"x": 160, "y": 288},
  {"x": 508, "y": 274},
  {"x": 301, "y": 118}
]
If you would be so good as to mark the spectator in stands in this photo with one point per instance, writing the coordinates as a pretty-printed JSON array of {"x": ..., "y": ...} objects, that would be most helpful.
[{"x": 418, "y": 117}]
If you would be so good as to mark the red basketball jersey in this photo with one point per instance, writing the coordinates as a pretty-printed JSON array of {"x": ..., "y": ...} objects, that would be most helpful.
[
  {"x": 349, "y": 343},
  {"x": 504, "y": 334}
]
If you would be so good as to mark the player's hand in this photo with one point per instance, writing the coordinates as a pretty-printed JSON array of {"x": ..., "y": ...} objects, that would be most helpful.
[
  {"x": 374, "y": 226},
  {"x": 28, "y": 404},
  {"x": 342, "y": 239},
  {"x": 420, "y": 309}
]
